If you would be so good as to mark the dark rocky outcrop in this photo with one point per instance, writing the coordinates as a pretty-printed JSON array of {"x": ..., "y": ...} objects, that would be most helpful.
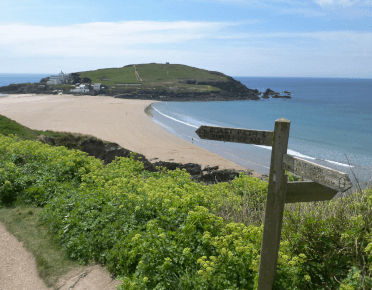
[
  {"x": 209, "y": 169},
  {"x": 46, "y": 139},
  {"x": 192, "y": 168},
  {"x": 107, "y": 151},
  {"x": 212, "y": 176},
  {"x": 190, "y": 96},
  {"x": 27, "y": 88},
  {"x": 217, "y": 176},
  {"x": 268, "y": 93},
  {"x": 231, "y": 85},
  {"x": 281, "y": 96},
  {"x": 16, "y": 88},
  {"x": 274, "y": 95}
]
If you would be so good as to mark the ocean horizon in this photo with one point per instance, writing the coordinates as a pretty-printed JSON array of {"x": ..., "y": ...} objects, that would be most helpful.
[{"x": 330, "y": 121}]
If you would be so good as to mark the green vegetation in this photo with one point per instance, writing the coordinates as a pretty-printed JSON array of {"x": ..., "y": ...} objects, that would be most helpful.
[
  {"x": 159, "y": 76},
  {"x": 210, "y": 88},
  {"x": 111, "y": 76},
  {"x": 64, "y": 87},
  {"x": 152, "y": 73},
  {"x": 8, "y": 126},
  {"x": 162, "y": 231},
  {"x": 66, "y": 139}
]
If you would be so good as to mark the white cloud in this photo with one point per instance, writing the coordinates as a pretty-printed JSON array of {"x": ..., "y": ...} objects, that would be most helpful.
[
  {"x": 94, "y": 38},
  {"x": 19, "y": 32},
  {"x": 115, "y": 38},
  {"x": 343, "y": 3},
  {"x": 302, "y": 11},
  {"x": 260, "y": 3},
  {"x": 219, "y": 46},
  {"x": 324, "y": 2},
  {"x": 303, "y": 7}
]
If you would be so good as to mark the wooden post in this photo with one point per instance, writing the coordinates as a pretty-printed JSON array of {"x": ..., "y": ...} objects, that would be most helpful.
[
  {"x": 325, "y": 183},
  {"x": 274, "y": 207}
]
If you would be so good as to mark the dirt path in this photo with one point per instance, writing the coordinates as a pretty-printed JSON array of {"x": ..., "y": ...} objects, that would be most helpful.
[
  {"x": 18, "y": 270},
  {"x": 137, "y": 75}
]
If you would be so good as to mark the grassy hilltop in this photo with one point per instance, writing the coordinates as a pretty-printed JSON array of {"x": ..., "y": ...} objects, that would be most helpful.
[
  {"x": 153, "y": 81},
  {"x": 153, "y": 75},
  {"x": 167, "y": 82}
]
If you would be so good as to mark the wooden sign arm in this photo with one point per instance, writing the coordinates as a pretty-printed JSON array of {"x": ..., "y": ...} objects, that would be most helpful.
[{"x": 308, "y": 191}]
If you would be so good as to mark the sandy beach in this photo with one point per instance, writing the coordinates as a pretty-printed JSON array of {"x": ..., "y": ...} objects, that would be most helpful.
[{"x": 116, "y": 120}]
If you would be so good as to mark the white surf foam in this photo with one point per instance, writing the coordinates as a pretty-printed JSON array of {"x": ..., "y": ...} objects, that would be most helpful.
[
  {"x": 196, "y": 124},
  {"x": 337, "y": 163},
  {"x": 174, "y": 119}
]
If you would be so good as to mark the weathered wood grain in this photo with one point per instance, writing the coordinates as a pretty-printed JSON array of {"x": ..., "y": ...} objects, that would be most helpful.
[
  {"x": 235, "y": 135},
  {"x": 307, "y": 191},
  {"x": 325, "y": 184},
  {"x": 274, "y": 207},
  {"x": 337, "y": 180}
]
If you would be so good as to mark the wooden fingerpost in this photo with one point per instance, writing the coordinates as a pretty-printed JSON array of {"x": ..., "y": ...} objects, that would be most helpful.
[
  {"x": 274, "y": 207},
  {"x": 323, "y": 185}
]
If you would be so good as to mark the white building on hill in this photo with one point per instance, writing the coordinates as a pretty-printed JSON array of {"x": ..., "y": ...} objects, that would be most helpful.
[
  {"x": 59, "y": 79},
  {"x": 81, "y": 89},
  {"x": 97, "y": 87}
]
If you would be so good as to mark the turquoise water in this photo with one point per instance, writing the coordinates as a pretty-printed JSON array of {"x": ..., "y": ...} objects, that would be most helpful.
[{"x": 330, "y": 117}]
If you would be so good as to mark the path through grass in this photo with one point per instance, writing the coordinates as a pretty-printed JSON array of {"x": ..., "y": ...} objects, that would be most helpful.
[{"x": 52, "y": 262}]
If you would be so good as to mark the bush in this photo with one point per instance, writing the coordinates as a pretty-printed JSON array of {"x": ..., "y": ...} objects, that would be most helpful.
[
  {"x": 32, "y": 173},
  {"x": 156, "y": 230}
]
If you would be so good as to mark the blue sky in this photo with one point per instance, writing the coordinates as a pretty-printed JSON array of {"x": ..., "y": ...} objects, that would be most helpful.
[{"x": 279, "y": 38}]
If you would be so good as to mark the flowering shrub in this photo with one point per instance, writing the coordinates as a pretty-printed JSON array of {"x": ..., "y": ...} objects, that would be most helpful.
[
  {"x": 154, "y": 230},
  {"x": 32, "y": 173}
]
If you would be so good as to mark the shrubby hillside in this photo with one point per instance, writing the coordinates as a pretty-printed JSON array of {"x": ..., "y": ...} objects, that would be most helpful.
[{"x": 159, "y": 230}]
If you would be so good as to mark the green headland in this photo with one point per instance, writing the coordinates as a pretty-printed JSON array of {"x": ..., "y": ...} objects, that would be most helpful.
[
  {"x": 153, "y": 81},
  {"x": 153, "y": 74}
]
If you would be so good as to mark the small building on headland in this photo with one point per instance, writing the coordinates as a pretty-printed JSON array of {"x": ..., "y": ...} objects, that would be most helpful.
[
  {"x": 81, "y": 89},
  {"x": 59, "y": 79}
]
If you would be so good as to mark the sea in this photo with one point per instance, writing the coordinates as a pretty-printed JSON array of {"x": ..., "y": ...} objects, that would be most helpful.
[
  {"x": 7, "y": 79},
  {"x": 331, "y": 122}
]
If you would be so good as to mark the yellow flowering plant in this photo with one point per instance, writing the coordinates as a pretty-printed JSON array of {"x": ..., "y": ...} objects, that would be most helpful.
[{"x": 154, "y": 230}]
